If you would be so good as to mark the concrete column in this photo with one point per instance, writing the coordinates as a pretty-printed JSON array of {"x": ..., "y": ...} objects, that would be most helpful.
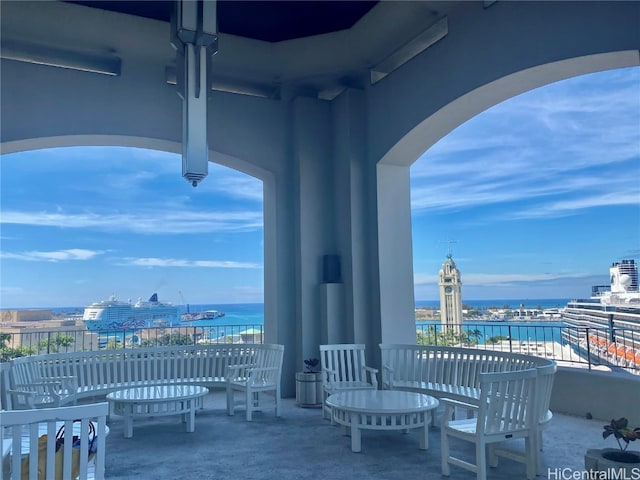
[
  {"x": 315, "y": 228},
  {"x": 397, "y": 302}
]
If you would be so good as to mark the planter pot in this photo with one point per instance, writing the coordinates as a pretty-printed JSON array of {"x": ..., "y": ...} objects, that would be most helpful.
[
  {"x": 608, "y": 460},
  {"x": 309, "y": 389}
]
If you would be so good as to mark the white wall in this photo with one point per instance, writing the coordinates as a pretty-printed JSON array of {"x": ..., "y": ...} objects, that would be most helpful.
[{"x": 603, "y": 395}]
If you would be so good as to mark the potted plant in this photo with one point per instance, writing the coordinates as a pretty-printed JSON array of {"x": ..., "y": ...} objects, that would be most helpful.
[
  {"x": 623, "y": 461},
  {"x": 310, "y": 365}
]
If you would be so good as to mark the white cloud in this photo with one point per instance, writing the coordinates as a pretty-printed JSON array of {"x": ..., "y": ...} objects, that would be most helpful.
[
  {"x": 493, "y": 279},
  {"x": 182, "y": 263},
  {"x": 147, "y": 222},
  {"x": 573, "y": 206},
  {"x": 562, "y": 146},
  {"x": 71, "y": 254},
  {"x": 240, "y": 186}
]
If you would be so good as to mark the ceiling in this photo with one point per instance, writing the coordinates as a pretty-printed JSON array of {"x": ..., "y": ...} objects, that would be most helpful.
[
  {"x": 269, "y": 21},
  {"x": 273, "y": 49}
]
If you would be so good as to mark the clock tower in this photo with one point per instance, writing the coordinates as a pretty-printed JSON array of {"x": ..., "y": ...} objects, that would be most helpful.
[{"x": 450, "y": 296}]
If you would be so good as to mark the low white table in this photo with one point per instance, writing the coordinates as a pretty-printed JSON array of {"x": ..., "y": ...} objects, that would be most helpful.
[
  {"x": 381, "y": 410},
  {"x": 156, "y": 401}
]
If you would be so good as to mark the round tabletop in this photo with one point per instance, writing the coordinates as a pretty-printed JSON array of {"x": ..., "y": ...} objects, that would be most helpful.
[
  {"x": 382, "y": 401},
  {"x": 157, "y": 392}
]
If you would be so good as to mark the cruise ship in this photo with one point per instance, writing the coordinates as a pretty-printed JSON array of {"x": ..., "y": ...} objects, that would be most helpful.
[
  {"x": 113, "y": 314},
  {"x": 606, "y": 326}
]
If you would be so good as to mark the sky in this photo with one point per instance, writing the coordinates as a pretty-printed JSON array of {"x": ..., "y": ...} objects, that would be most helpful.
[{"x": 533, "y": 198}]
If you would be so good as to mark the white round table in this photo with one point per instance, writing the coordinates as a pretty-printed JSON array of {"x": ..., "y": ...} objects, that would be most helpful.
[
  {"x": 155, "y": 401},
  {"x": 381, "y": 410}
]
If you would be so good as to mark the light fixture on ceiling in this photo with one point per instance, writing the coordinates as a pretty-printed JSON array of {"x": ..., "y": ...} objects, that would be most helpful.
[
  {"x": 419, "y": 44},
  {"x": 194, "y": 35},
  {"x": 55, "y": 57}
]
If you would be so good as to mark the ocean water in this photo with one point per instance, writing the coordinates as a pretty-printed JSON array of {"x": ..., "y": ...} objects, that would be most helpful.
[
  {"x": 240, "y": 316},
  {"x": 236, "y": 314},
  {"x": 518, "y": 331},
  {"x": 253, "y": 313}
]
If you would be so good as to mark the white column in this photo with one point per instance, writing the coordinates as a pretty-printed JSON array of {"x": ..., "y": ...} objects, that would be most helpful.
[{"x": 397, "y": 302}]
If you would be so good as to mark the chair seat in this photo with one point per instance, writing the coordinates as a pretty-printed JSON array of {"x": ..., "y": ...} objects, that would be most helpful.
[{"x": 465, "y": 426}]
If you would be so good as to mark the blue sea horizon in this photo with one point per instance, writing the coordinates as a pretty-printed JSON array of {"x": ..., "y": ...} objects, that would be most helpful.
[
  {"x": 251, "y": 308},
  {"x": 240, "y": 316}
]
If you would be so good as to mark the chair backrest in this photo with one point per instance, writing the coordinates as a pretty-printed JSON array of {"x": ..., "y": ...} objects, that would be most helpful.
[
  {"x": 34, "y": 432},
  {"x": 507, "y": 402},
  {"x": 345, "y": 361},
  {"x": 269, "y": 358}
]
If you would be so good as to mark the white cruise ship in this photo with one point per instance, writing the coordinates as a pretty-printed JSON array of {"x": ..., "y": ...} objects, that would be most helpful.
[
  {"x": 113, "y": 314},
  {"x": 607, "y": 325}
]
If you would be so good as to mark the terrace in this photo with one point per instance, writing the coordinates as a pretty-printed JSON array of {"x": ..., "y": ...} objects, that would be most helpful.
[
  {"x": 300, "y": 444},
  {"x": 289, "y": 446},
  {"x": 332, "y": 137}
]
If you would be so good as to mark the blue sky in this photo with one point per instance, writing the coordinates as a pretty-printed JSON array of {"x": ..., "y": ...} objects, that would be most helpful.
[{"x": 534, "y": 198}]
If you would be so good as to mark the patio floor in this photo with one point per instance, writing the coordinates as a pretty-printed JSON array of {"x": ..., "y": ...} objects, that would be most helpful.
[{"x": 302, "y": 445}]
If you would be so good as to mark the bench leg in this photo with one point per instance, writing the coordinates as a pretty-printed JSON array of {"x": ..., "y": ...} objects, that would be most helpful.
[
  {"x": 230, "y": 400},
  {"x": 424, "y": 433}
]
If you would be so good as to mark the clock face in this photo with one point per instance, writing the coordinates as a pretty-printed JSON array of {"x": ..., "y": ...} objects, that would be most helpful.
[{"x": 448, "y": 289}]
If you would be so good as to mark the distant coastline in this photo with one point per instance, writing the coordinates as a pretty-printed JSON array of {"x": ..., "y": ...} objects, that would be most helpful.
[
  {"x": 479, "y": 304},
  {"x": 503, "y": 303}
]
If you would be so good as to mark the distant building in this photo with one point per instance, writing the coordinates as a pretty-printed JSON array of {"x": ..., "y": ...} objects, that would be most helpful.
[
  {"x": 450, "y": 295},
  {"x": 15, "y": 316}
]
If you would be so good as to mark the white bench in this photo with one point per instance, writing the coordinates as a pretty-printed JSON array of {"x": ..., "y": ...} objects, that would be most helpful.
[
  {"x": 454, "y": 373},
  {"x": 63, "y": 378}
]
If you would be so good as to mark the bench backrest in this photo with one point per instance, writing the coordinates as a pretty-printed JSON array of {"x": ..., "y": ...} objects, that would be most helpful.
[
  {"x": 447, "y": 365},
  {"x": 31, "y": 425},
  {"x": 105, "y": 368},
  {"x": 462, "y": 367}
]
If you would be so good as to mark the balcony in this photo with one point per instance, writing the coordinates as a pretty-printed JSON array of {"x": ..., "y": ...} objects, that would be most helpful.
[{"x": 300, "y": 444}]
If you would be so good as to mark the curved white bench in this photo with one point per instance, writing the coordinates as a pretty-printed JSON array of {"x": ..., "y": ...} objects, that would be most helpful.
[
  {"x": 454, "y": 373},
  {"x": 63, "y": 378}
]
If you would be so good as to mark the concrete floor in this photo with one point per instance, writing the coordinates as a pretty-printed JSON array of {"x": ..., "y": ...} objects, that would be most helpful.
[{"x": 302, "y": 445}]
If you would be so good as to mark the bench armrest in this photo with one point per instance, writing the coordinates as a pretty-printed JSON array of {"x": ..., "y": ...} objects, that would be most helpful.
[
  {"x": 34, "y": 395},
  {"x": 238, "y": 371},
  {"x": 68, "y": 384}
]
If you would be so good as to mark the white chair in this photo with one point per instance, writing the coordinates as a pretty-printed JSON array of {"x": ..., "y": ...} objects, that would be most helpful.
[
  {"x": 506, "y": 411},
  {"x": 344, "y": 368},
  {"x": 544, "y": 385},
  {"x": 22, "y": 429},
  {"x": 255, "y": 380}
]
